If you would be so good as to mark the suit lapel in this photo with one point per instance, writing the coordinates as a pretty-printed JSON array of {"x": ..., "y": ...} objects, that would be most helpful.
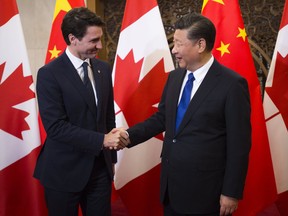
[
  {"x": 175, "y": 97},
  {"x": 207, "y": 85},
  {"x": 72, "y": 75},
  {"x": 97, "y": 74}
]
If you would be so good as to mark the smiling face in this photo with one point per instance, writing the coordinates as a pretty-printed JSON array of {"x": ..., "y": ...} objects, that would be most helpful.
[
  {"x": 187, "y": 52},
  {"x": 89, "y": 45}
]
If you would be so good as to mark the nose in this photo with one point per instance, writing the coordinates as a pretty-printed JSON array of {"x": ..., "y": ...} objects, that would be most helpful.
[
  {"x": 99, "y": 45},
  {"x": 174, "y": 50}
]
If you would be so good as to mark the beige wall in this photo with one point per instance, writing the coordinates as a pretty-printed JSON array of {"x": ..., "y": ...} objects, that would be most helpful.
[{"x": 36, "y": 17}]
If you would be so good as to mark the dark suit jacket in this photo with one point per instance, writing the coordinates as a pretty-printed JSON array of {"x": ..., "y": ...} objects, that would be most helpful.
[
  {"x": 75, "y": 128},
  {"x": 208, "y": 156}
]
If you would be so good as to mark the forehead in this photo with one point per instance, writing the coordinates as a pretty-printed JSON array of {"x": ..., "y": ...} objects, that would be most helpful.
[
  {"x": 93, "y": 32},
  {"x": 180, "y": 34}
]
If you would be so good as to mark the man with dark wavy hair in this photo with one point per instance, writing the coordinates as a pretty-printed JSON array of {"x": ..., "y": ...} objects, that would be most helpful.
[{"x": 76, "y": 105}]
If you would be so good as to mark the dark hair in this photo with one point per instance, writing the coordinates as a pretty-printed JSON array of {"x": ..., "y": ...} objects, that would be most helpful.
[
  {"x": 76, "y": 22},
  {"x": 198, "y": 27}
]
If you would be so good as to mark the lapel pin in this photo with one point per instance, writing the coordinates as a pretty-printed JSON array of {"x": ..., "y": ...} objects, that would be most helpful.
[{"x": 98, "y": 71}]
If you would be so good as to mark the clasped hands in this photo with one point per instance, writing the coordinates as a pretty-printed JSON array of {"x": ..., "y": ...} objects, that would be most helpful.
[{"x": 116, "y": 139}]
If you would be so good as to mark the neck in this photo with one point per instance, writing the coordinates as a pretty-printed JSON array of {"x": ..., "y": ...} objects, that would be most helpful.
[{"x": 203, "y": 59}]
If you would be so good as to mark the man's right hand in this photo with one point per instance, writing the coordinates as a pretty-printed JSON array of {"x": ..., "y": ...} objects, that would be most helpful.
[{"x": 116, "y": 139}]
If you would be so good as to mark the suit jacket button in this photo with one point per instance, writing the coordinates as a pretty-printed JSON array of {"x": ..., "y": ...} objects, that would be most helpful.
[{"x": 174, "y": 140}]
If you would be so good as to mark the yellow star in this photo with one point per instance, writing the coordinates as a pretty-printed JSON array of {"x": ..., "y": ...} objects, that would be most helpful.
[
  {"x": 61, "y": 5},
  {"x": 223, "y": 48},
  {"x": 242, "y": 33},
  {"x": 205, "y": 2},
  {"x": 219, "y": 1},
  {"x": 54, "y": 52}
]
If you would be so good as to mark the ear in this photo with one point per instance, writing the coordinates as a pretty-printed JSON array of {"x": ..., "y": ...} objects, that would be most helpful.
[
  {"x": 202, "y": 45},
  {"x": 72, "y": 39}
]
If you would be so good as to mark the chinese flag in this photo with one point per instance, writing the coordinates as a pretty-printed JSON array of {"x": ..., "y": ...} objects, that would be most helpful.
[
  {"x": 21, "y": 194},
  {"x": 141, "y": 68},
  {"x": 57, "y": 45},
  {"x": 232, "y": 49},
  {"x": 276, "y": 112}
]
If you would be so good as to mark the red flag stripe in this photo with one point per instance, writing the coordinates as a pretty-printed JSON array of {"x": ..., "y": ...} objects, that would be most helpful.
[
  {"x": 21, "y": 194},
  {"x": 8, "y": 9},
  {"x": 136, "y": 9},
  {"x": 148, "y": 187},
  {"x": 284, "y": 20},
  {"x": 275, "y": 105}
]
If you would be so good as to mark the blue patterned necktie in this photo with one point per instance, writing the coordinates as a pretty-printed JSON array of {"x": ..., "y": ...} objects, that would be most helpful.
[{"x": 185, "y": 100}]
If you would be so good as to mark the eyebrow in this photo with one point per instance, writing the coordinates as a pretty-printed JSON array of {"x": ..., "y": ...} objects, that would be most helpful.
[{"x": 95, "y": 39}]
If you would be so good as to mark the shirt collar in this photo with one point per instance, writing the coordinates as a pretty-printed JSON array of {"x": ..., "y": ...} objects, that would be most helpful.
[
  {"x": 201, "y": 72},
  {"x": 77, "y": 62}
]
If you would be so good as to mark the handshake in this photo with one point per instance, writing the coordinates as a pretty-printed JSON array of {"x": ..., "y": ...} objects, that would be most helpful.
[{"x": 116, "y": 139}]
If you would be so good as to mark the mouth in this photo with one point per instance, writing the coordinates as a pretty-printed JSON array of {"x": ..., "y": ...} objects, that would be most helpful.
[{"x": 178, "y": 59}]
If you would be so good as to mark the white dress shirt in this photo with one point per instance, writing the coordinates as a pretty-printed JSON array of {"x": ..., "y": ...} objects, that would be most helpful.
[
  {"x": 77, "y": 63},
  {"x": 199, "y": 75}
]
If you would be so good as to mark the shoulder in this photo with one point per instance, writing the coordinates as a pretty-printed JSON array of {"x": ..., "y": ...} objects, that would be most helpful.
[
  {"x": 55, "y": 69},
  {"x": 177, "y": 72},
  {"x": 55, "y": 63},
  {"x": 225, "y": 71},
  {"x": 100, "y": 64}
]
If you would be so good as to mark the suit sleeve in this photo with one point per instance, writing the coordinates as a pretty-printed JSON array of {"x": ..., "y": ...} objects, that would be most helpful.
[
  {"x": 110, "y": 118},
  {"x": 238, "y": 127}
]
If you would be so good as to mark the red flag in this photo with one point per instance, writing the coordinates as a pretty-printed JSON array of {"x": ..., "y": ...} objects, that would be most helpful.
[
  {"x": 57, "y": 45},
  {"x": 276, "y": 112},
  {"x": 21, "y": 194},
  {"x": 232, "y": 49},
  {"x": 140, "y": 71}
]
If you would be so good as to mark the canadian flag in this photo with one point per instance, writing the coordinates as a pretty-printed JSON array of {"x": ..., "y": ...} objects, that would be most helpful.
[
  {"x": 276, "y": 112},
  {"x": 141, "y": 67},
  {"x": 19, "y": 131}
]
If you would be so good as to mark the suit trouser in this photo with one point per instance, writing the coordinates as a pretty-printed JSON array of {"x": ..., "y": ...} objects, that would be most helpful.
[
  {"x": 169, "y": 211},
  {"x": 95, "y": 199}
]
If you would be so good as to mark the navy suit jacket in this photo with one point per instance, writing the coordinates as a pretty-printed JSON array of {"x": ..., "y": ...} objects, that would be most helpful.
[
  {"x": 75, "y": 127},
  {"x": 208, "y": 155}
]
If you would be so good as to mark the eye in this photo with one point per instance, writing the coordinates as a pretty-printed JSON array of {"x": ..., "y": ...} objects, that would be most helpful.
[
  {"x": 96, "y": 40},
  {"x": 178, "y": 44}
]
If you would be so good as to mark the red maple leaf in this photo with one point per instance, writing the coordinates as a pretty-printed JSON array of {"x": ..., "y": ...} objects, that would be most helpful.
[
  {"x": 278, "y": 92},
  {"x": 136, "y": 99},
  {"x": 13, "y": 91}
]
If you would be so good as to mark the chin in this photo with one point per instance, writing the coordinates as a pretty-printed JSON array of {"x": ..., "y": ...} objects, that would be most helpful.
[
  {"x": 182, "y": 65},
  {"x": 92, "y": 55}
]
